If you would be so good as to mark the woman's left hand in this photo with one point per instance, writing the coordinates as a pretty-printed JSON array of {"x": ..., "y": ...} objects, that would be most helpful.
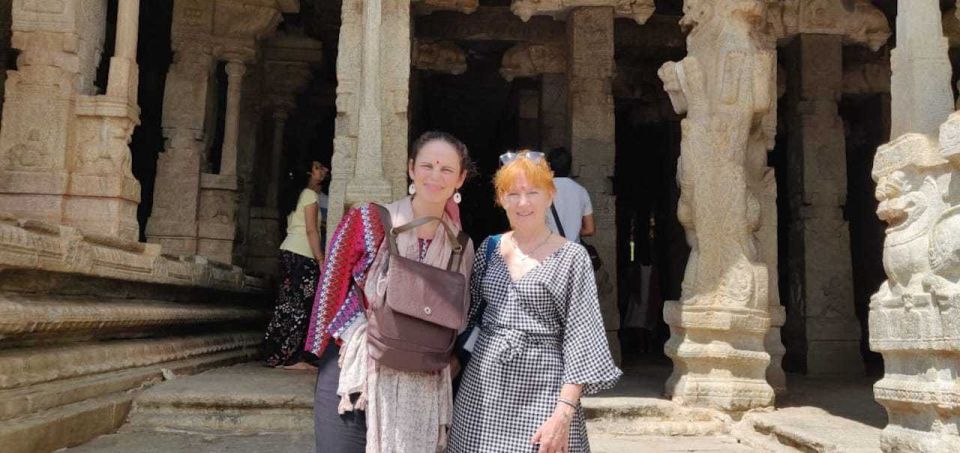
[{"x": 554, "y": 434}]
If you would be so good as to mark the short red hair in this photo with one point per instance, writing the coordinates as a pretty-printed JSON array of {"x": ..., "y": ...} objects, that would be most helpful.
[{"x": 537, "y": 173}]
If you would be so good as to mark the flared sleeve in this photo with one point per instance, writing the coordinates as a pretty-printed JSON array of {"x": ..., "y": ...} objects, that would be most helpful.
[
  {"x": 339, "y": 299},
  {"x": 586, "y": 354}
]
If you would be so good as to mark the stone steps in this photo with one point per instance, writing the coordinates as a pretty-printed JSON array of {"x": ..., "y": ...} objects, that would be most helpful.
[
  {"x": 68, "y": 412},
  {"x": 638, "y": 416},
  {"x": 806, "y": 429},
  {"x": 250, "y": 398},
  {"x": 245, "y": 398}
]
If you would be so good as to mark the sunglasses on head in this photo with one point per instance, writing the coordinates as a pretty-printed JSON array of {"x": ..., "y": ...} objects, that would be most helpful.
[{"x": 510, "y": 156}]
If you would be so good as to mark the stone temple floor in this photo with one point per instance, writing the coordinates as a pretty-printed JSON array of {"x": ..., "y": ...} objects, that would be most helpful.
[{"x": 250, "y": 408}]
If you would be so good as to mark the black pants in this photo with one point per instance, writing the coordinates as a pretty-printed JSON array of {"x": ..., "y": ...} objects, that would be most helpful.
[{"x": 335, "y": 433}]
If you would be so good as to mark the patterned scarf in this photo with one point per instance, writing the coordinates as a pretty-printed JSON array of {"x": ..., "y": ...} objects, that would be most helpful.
[{"x": 340, "y": 300}]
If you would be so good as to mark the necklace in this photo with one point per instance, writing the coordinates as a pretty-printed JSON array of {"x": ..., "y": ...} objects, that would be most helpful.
[{"x": 525, "y": 256}]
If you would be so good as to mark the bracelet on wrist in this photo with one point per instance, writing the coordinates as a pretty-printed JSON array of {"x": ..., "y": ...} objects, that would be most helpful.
[{"x": 568, "y": 403}]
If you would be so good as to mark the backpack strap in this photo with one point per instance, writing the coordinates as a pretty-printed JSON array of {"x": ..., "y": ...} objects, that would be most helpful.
[
  {"x": 556, "y": 218},
  {"x": 459, "y": 241},
  {"x": 492, "y": 245}
]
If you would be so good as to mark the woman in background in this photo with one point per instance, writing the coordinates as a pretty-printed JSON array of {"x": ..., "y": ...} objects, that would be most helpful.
[{"x": 300, "y": 258}]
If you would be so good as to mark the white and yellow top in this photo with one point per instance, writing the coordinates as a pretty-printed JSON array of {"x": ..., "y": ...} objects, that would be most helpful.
[{"x": 296, "y": 240}]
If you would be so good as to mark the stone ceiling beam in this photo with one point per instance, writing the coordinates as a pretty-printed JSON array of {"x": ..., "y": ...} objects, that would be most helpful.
[
  {"x": 861, "y": 23},
  {"x": 439, "y": 56},
  {"x": 460, "y": 6},
  {"x": 527, "y": 59},
  {"x": 638, "y": 10}
]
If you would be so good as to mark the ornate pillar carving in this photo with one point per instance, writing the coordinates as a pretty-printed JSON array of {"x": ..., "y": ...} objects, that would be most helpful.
[
  {"x": 913, "y": 317},
  {"x": 370, "y": 143},
  {"x": 591, "y": 125},
  {"x": 75, "y": 169},
  {"x": 726, "y": 87}
]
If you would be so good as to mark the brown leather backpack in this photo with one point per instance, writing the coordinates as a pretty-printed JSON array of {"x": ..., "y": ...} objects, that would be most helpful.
[{"x": 414, "y": 325}]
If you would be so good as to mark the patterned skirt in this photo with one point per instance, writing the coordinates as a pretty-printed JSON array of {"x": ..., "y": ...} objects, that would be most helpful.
[{"x": 287, "y": 331}]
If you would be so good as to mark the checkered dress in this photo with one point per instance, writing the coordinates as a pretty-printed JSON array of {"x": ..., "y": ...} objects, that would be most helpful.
[{"x": 537, "y": 333}]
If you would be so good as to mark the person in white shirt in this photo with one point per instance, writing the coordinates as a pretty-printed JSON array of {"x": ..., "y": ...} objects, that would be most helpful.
[{"x": 572, "y": 201}]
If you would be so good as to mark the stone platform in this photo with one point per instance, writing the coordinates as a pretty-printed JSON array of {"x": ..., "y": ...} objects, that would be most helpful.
[{"x": 251, "y": 408}]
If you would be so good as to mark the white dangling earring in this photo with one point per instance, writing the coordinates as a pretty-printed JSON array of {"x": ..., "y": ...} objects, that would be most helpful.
[
  {"x": 412, "y": 189},
  {"x": 457, "y": 198}
]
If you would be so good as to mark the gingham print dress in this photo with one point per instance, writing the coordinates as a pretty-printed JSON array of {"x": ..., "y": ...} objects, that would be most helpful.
[{"x": 537, "y": 333}]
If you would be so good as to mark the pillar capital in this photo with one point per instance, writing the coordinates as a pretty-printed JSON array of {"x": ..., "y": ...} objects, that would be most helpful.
[
  {"x": 440, "y": 56},
  {"x": 860, "y": 23},
  {"x": 529, "y": 59},
  {"x": 236, "y": 69},
  {"x": 638, "y": 10}
]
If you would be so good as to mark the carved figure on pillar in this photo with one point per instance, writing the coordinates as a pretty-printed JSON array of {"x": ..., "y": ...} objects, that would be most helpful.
[
  {"x": 726, "y": 87},
  {"x": 913, "y": 317}
]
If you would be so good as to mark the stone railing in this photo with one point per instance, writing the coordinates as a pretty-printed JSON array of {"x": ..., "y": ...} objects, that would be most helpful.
[{"x": 86, "y": 321}]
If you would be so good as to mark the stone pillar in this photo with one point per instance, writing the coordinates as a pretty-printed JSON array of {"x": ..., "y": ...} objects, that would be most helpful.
[
  {"x": 821, "y": 276},
  {"x": 228, "y": 157},
  {"x": 216, "y": 226},
  {"x": 920, "y": 85},
  {"x": 553, "y": 112},
  {"x": 913, "y": 316},
  {"x": 548, "y": 61},
  {"x": 592, "y": 138},
  {"x": 124, "y": 74},
  {"x": 176, "y": 199},
  {"x": 63, "y": 151},
  {"x": 528, "y": 119},
  {"x": 370, "y": 142},
  {"x": 194, "y": 212},
  {"x": 288, "y": 59},
  {"x": 726, "y": 88},
  {"x": 280, "y": 115}
]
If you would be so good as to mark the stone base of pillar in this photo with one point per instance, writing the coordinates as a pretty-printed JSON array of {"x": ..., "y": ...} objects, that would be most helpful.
[
  {"x": 263, "y": 242},
  {"x": 718, "y": 355},
  {"x": 216, "y": 224},
  {"x": 773, "y": 344},
  {"x": 834, "y": 358},
  {"x": 921, "y": 352},
  {"x": 33, "y": 195}
]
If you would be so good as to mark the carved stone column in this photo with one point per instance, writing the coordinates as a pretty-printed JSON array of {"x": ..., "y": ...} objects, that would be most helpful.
[
  {"x": 821, "y": 276},
  {"x": 287, "y": 67},
  {"x": 920, "y": 86},
  {"x": 228, "y": 157},
  {"x": 373, "y": 73},
  {"x": 194, "y": 212},
  {"x": 75, "y": 169},
  {"x": 217, "y": 217},
  {"x": 726, "y": 87},
  {"x": 553, "y": 111},
  {"x": 173, "y": 220},
  {"x": 592, "y": 138},
  {"x": 528, "y": 119},
  {"x": 914, "y": 316}
]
